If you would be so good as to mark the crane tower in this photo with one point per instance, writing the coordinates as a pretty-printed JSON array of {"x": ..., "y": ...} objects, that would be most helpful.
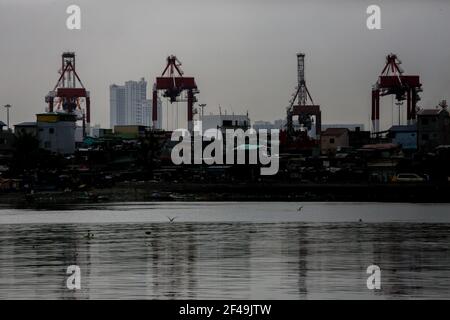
[
  {"x": 301, "y": 79},
  {"x": 305, "y": 112}
]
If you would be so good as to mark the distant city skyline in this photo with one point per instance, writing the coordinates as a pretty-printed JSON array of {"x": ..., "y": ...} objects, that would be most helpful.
[{"x": 241, "y": 53}]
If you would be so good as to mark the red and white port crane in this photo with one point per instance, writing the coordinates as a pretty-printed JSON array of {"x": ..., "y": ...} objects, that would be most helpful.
[{"x": 69, "y": 91}]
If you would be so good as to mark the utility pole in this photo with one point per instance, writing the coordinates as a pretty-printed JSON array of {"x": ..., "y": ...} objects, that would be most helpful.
[
  {"x": 202, "y": 106},
  {"x": 8, "y": 106}
]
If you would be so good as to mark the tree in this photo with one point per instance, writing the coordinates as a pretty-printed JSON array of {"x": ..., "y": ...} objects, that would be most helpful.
[{"x": 26, "y": 152}]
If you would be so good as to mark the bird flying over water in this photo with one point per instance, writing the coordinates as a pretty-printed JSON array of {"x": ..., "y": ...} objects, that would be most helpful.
[
  {"x": 300, "y": 208},
  {"x": 171, "y": 219}
]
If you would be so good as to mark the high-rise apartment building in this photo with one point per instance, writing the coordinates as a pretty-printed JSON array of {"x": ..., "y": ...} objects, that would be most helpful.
[
  {"x": 129, "y": 104},
  {"x": 117, "y": 105}
]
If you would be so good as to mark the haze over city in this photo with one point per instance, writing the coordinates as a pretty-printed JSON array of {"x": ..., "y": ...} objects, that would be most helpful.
[
  {"x": 242, "y": 53},
  {"x": 300, "y": 182}
]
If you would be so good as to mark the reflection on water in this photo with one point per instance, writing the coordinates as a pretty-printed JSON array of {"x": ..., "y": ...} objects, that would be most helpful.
[{"x": 209, "y": 254}]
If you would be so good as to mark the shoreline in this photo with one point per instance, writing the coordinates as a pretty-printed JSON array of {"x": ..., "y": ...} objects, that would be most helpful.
[{"x": 261, "y": 191}]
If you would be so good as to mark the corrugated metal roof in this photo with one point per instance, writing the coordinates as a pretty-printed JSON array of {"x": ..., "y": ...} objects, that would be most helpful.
[
  {"x": 334, "y": 132},
  {"x": 25, "y": 124},
  {"x": 406, "y": 128},
  {"x": 429, "y": 112}
]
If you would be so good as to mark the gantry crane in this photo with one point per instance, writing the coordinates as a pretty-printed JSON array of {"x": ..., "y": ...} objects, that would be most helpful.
[
  {"x": 392, "y": 81},
  {"x": 68, "y": 92},
  {"x": 302, "y": 110},
  {"x": 173, "y": 86}
]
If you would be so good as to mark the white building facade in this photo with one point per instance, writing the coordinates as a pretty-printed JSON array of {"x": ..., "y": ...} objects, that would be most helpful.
[{"x": 56, "y": 132}]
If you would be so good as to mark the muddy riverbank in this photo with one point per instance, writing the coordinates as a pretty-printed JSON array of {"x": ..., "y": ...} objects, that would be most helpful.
[{"x": 163, "y": 191}]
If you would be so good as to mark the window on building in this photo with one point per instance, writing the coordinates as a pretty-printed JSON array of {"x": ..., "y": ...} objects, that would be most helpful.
[
  {"x": 331, "y": 140},
  {"x": 425, "y": 121},
  {"x": 425, "y": 136},
  {"x": 227, "y": 123},
  {"x": 47, "y": 144},
  {"x": 51, "y": 130}
]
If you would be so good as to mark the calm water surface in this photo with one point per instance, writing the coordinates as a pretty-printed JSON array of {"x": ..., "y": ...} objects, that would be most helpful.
[{"x": 226, "y": 251}]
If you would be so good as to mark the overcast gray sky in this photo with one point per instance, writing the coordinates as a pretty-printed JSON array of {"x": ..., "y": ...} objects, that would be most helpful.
[{"x": 242, "y": 53}]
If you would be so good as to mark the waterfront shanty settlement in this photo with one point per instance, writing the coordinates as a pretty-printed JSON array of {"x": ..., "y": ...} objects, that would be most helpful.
[{"x": 62, "y": 155}]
